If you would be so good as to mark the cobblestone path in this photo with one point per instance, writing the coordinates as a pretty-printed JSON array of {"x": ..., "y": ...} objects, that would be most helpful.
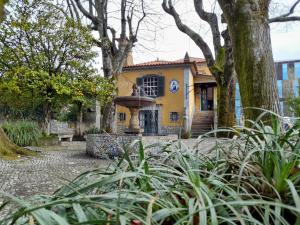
[
  {"x": 56, "y": 166},
  {"x": 46, "y": 173},
  {"x": 53, "y": 168}
]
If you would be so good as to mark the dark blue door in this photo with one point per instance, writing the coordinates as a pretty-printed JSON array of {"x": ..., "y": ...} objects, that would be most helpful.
[{"x": 149, "y": 121}]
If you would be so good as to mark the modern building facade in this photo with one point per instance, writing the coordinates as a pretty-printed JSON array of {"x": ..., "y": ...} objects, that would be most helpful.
[{"x": 288, "y": 78}]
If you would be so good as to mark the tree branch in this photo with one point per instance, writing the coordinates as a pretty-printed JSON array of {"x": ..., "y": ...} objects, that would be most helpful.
[
  {"x": 123, "y": 19},
  {"x": 86, "y": 13},
  {"x": 140, "y": 20},
  {"x": 212, "y": 20},
  {"x": 286, "y": 17},
  {"x": 169, "y": 8},
  {"x": 227, "y": 7},
  {"x": 75, "y": 11}
]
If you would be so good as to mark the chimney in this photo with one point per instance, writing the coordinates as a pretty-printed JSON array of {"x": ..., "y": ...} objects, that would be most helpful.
[
  {"x": 186, "y": 58},
  {"x": 129, "y": 59}
]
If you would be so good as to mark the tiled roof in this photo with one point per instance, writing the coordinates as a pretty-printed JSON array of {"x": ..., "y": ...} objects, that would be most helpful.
[{"x": 159, "y": 62}]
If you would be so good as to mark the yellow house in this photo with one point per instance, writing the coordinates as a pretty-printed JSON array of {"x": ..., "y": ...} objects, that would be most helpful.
[{"x": 184, "y": 90}]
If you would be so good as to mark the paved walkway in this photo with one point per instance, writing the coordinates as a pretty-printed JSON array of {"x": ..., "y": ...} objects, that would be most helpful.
[
  {"x": 46, "y": 173},
  {"x": 55, "y": 167}
]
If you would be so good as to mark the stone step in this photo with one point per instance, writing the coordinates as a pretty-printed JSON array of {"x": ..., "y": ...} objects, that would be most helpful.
[
  {"x": 203, "y": 118},
  {"x": 202, "y": 121}
]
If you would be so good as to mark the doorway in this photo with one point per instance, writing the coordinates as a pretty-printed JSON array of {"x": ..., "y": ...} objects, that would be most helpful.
[
  {"x": 207, "y": 98},
  {"x": 149, "y": 121}
]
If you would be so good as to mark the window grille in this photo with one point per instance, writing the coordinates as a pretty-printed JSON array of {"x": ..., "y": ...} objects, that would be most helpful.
[
  {"x": 122, "y": 116},
  {"x": 150, "y": 85},
  {"x": 174, "y": 116}
]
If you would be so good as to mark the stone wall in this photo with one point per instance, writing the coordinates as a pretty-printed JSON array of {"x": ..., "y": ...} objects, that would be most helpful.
[
  {"x": 105, "y": 146},
  {"x": 166, "y": 130}
]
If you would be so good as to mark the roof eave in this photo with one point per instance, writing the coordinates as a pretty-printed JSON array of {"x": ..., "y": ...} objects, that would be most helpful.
[{"x": 147, "y": 67}]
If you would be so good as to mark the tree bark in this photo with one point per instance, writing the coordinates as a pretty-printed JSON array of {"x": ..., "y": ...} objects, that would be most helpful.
[
  {"x": 250, "y": 34},
  {"x": 47, "y": 118},
  {"x": 80, "y": 119},
  {"x": 108, "y": 119},
  {"x": 226, "y": 104}
]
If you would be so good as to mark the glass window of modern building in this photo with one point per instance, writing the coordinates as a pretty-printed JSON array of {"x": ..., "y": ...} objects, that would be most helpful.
[
  {"x": 296, "y": 87},
  {"x": 281, "y": 107},
  {"x": 238, "y": 104},
  {"x": 297, "y": 70},
  {"x": 285, "y": 71},
  {"x": 279, "y": 86}
]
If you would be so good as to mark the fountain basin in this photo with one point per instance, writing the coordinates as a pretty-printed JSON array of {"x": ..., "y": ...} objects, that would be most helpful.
[{"x": 134, "y": 101}]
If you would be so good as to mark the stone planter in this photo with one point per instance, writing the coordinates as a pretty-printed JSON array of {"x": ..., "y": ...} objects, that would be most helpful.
[{"x": 106, "y": 146}]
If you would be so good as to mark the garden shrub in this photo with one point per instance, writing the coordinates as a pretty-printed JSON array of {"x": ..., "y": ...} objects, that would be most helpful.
[
  {"x": 23, "y": 133},
  {"x": 93, "y": 130}
]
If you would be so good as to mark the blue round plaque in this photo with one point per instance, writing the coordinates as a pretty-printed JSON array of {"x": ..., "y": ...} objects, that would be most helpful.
[{"x": 174, "y": 86}]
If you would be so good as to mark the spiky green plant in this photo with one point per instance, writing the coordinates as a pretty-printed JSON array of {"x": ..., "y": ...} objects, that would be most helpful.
[
  {"x": 23, "y": 133},
  {"x": 253, "y": 179}
]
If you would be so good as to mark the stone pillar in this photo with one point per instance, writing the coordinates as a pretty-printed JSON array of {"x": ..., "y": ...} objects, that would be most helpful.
[
  {"x": 98, "y": 115},
  {"x": 134, "y": 120},
  {"x": 185, "y": 122}
]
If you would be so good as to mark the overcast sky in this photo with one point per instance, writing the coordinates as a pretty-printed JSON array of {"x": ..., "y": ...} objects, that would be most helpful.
[
  {"x": 162, "y": 39},
  {"x": 171, "y": 44}
]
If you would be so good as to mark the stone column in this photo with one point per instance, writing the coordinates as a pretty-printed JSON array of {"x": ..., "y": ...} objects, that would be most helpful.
[
  {"x": 134, "y": 120},
  {"x": 98, "y": 115}
]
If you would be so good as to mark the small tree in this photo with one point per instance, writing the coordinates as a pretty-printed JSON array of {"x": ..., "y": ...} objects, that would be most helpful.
[
  {"x": 42, "y": 51},
  {"x": 87, "y": 90}
]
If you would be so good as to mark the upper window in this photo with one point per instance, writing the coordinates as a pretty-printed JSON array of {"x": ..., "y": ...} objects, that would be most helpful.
[{"x": 150, "y": 85}]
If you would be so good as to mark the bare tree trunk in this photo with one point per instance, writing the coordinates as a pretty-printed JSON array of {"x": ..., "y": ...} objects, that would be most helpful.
[
  {"x": 80, "y": 119},
  {"x": 226, "y": 104},
  {"x": 226, "y": 86},
  {"x": 108, "y": 118},
  {"x": 47, "y": 118},
  {"x": 250, "y": 34}
]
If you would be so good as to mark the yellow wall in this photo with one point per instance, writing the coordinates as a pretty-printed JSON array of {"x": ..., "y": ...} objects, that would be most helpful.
[
  {"x": 203, "y": 69},
  {"x": 170, "y": 102}
]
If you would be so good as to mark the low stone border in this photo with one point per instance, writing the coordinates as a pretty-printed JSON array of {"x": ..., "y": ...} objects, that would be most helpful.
[{"x": 105, "y": 146}]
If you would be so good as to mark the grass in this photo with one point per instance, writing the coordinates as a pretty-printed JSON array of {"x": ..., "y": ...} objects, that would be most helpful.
[{"x": 254, "y": 179}]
